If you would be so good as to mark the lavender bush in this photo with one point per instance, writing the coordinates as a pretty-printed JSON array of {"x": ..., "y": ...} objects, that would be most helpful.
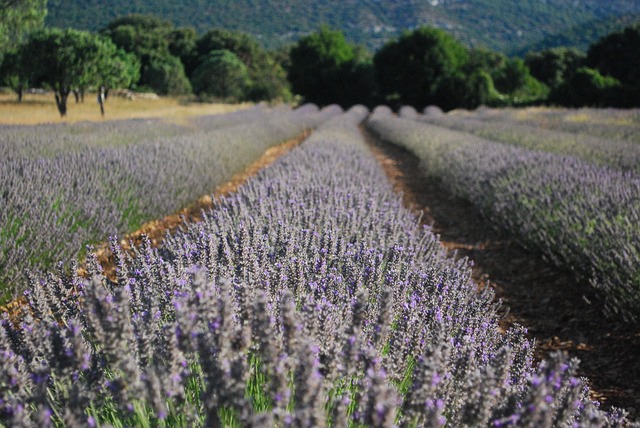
[
  {"x": 81, "y": 191},
  {"x": 309, "y": 298},
  {"x": 608, "y": 123},
  {"x": 618, "y": 154},
  {"x": 579, "y": 215}
]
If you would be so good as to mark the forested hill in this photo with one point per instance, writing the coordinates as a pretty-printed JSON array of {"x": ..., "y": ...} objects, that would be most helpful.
[{"x": 504, "y": 25}]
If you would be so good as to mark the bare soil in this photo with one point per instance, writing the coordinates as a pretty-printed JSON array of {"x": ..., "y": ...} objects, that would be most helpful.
[{"x": 560, "y": 312}]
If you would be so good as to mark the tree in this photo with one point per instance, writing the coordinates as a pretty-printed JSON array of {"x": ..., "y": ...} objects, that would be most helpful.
[
  {"x": 182, "y": 43},
  {"x": 65, "y": 59},
  {"x": 617, "y": 55},
  {"x": 511, "y": 76},
  {"x": 17, "y": 19},
  {"x": 165, "y": 75},
  {"x": 268, "y": 78},
  {"x": 412, "y": 69},
  {"x": 154, "y": 41},
  {"x": 324, "y": 67},
  {"x": 13, "y": 73},
  {"x": 587, "y": 87},
  {"x": 140, "y": 34},
  {"x": 222, "y": 75},
  {"x": 469, "y": 91},
  {"x": 554, "y": 66}
]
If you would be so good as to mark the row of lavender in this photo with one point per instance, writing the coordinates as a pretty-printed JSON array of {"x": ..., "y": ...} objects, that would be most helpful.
[
  {"x": 82, "y": 189},
  {"x": 609, "y": 123},
  {"x": 48, "y": 140},
  {"x": 610, "y": 152},
  {"x": 310, "y": 298},
  {"x": 580, "y": 215}
]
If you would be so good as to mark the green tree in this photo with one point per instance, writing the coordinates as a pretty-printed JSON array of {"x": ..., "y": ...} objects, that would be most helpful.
[
  {"x": 221, "y": 75},
  {"x": 13, "y": 73},
  {"x": 618, "y": 55},
  {"x": 65, "y": 59},
  {"x": 587, "y": 87},
  {"x": 554, "y": 66},
  {"x": 323, "y": 68},
  {"x": 267, "y": 77},
  {"x": 165, "y": 75},
  {"x": 182, "y": 43},
  {"x": 17, "y": 19},
  {"x": 158, "y": 46},
  {"x": 412, "y": 69},
  {"x": 511, "y": 76},
  {"x": 512, "y": 83}
]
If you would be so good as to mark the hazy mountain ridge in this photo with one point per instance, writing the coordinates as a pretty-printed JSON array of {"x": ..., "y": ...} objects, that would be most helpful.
[{"x": 503, "y": 25}]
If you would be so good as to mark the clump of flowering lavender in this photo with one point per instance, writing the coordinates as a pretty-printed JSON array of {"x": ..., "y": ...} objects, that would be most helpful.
[
  {"x": 579, "y": 215},
  {"x": 609, "y": 152},
  {"x": 63, "y": 186},
  {"x": 309, "y": 298}
]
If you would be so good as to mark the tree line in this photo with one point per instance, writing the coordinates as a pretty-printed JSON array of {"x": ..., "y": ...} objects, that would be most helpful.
[{"x": 426, "y": 66}]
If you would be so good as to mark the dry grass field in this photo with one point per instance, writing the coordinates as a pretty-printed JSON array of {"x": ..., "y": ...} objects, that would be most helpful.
[{"x": 41, "y": 108}]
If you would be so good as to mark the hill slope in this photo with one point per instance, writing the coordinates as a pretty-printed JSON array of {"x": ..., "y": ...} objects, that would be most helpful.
[{"x": 503, "y": 25}]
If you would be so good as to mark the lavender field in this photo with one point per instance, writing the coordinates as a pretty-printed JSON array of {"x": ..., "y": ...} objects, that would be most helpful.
[
  {"x": 63, "y": 187},
  {"x": 582, "y": 216},
  {"x": 311, "y": 296}
]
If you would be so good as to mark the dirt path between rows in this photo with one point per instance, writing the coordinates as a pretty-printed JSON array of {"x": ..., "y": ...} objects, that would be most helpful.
[{"x": 559, "y": 312}]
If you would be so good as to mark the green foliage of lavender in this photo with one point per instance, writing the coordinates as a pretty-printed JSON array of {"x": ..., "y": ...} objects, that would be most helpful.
[
  {"x": 581, "y": 216},
  {"x": 64, "y": 186},
  {"x": 617, "y": 154},
  {"x": 309, "y": 298}
]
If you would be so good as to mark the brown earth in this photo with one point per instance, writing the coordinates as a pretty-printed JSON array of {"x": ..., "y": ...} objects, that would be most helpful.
[{"x": 560, "y": 312}]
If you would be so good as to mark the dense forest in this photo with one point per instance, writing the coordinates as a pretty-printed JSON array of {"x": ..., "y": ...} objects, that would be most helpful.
[{"x": 420, "y": 67}]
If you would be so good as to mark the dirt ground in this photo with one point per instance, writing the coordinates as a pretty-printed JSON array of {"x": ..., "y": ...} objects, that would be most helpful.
[{"x": 559, "y": 312}]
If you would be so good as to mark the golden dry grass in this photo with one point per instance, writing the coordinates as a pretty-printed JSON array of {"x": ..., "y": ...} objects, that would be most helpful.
[{"x": 41, "y": 108}]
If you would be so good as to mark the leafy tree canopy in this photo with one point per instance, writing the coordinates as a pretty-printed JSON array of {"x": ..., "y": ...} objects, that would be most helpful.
[
  {"x": 159, "y": 47},
  {"x": 553, "y": 66},
  {"x": 267, "y": 77},
  {"x": 587, "y": 87},
  {"x": 321, "y": 66},
  {"x": 413, "y": 67},
  {"x": 222, "y": 75},
  {"x": 17, "y": 19},
  {"x": 618, "y": 55}
]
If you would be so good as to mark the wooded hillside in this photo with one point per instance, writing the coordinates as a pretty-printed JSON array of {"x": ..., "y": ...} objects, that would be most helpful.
[{"x": 503, "y": 25}]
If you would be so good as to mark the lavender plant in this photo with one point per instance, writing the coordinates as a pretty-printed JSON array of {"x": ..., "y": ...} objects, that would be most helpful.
[
  {"x": 54, "y": 204},
  {"x": 579, "y": 215},
  {"x": 609, "y": 152},
  {"x": 608, "y": 123},
  {"x": 309, "y": 298}
]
